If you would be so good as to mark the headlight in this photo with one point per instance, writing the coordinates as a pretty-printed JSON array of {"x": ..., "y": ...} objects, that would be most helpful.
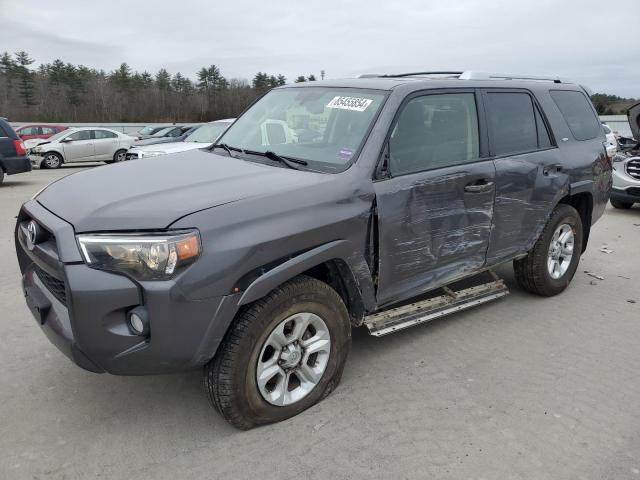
[
  {"x": 151, "y": 154},
  {"x": 37, "y": 149},
  {"x": 145, "y": 257}
]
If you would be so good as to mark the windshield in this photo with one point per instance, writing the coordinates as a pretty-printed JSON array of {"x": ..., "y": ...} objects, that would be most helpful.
[
  {"x": 324, "y": 126},
  {"x": 207, "y": 133},
  {"x": 163, "y": 132},
  {"x": 148, "y": 130},
  {"x": 59, "y": 135}
]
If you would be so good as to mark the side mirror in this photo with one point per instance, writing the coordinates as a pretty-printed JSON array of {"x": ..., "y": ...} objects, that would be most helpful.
[{"x": 66, "y": 140}]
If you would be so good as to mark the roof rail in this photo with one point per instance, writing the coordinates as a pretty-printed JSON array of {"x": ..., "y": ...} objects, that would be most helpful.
[{"x": 469, "y": 75}]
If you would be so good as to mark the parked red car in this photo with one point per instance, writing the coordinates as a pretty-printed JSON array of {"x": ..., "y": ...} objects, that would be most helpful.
[{"x": 27, "y": 132}]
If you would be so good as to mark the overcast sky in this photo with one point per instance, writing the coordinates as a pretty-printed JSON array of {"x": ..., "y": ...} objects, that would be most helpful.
[{"x": 593, "y": 42}]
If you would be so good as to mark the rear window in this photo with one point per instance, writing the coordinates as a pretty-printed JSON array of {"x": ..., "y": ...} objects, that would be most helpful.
[
  {"x": 577, "y": 112},
  {"x": 516, "y": 125}
]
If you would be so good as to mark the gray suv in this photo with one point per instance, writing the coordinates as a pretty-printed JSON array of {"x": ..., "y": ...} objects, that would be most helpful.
[{"x": 380, "y": 201}]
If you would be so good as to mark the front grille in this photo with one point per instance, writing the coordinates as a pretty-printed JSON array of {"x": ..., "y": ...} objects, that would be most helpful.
[
  {"x": 633, "y": 168},
  {"x": 55, "y": 286}
]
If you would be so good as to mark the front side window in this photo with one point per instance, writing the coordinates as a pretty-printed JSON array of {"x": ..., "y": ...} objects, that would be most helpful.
[
  {"x": 577, "y": 111},
  {"x": 324, "y": 126},
  {"x": 434, "y": 131},
  {"x": 29, "y": 131},
  {"x": 101, "y": 134},
  {"x": 48, "y": 131},
  {"x": 81, "y": 135}
]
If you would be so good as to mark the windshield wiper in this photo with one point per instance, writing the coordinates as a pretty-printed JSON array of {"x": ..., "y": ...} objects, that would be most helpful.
[
  {"x": 228, "y": 148},
  {"x": 288, "y": 161}
]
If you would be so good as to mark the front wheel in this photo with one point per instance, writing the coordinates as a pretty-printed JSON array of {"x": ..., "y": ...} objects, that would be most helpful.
[
  {"x": 281, "y": 355},
  {"x": 620, "y": 205},
  {"x": 552, "y": 262},
  {"x": 51, "y": 160}
]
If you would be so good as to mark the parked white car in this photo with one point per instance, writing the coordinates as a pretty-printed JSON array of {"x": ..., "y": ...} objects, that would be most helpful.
[
  {"x": 202, "y": 137},
  {"x": 611, "y": 137},
  {"x": 85, "y": 144}
]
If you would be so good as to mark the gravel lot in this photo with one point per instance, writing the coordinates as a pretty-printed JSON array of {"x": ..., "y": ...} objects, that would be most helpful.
[{"x": 524, "y": 387}]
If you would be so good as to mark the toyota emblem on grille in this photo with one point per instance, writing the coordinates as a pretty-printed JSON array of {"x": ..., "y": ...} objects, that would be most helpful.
[{"x": 34, "y": 232}]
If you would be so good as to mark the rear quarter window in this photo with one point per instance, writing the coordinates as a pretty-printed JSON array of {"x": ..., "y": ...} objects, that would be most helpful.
[{"x": 578, "y": 114}]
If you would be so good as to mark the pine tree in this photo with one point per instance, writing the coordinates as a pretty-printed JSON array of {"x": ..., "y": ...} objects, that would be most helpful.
[
  {"x": 300, "y": 79},
  {"x": 26, "y": 87}
]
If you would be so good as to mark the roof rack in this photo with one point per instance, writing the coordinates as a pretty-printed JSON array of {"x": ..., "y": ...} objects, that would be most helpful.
[{"x": 469, "y": 75}]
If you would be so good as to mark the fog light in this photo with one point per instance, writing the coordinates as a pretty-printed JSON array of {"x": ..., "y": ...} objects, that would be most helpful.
[{"x": 138, "y": 321}]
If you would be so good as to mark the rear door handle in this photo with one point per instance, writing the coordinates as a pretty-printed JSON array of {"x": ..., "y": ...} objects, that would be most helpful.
[
  {"x": 555, "y": 168},
  {"x": 479, "y": 186}
]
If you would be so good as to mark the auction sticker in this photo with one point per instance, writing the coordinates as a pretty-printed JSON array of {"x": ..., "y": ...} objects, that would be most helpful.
[{"x": 350, "y": 103}]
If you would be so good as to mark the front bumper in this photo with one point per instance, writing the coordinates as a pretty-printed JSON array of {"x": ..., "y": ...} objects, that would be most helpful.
[
  {"x": 628, "y": 195},
  {"x": 83, "y": 311}
]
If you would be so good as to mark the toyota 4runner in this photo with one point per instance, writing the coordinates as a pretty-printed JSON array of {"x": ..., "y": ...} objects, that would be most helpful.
[{"x": 380, "y": 201}]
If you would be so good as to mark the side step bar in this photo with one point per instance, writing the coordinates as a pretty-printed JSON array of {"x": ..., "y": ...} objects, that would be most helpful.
[{"x": 399, "y": 318}]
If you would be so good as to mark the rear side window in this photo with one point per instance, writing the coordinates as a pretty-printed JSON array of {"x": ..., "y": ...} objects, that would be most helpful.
[
  {"x": 515, "y": 123},
  {"x": 577, "y": 111},
  {"x": 100, "y": 134}
]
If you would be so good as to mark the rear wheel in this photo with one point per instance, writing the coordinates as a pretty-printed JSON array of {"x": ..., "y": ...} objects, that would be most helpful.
[
  {"x": 281, "y": 355},
  {"x": 120, "y": 156},
  {"x": 620, "y": 205},
  {"x": 51, "y": 160},
  {"x": 552, "y": 262},
  {"x": 1, "y": 175}
]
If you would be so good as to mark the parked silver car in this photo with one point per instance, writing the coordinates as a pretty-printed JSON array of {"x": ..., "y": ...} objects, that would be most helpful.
[
  {"x": 202, "y": 137},
  {"x": 85, "y": 144},
  {"x": 626, "y": 166}
]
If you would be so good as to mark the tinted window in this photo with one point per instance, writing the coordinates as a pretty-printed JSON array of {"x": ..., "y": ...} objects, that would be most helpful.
[
  {"x": 512, "y": 123},
  {"x": 100, "y": 134},
  {"x": 544, "y": 140},
  {"x": 577, "y": 111},
  {"x": 81, "y": 135},
  {"x": 434, "y": 131}
]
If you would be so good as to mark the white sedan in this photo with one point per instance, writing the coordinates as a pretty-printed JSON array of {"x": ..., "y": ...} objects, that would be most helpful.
[
  {"x": 85, "y": 144},
  {"x": 202, "y": 137}
]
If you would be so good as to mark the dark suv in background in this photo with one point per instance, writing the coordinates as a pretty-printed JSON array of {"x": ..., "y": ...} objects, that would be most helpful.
[
  {"x": 13, "y": 156},
  {"x": 380, "y": 201}
]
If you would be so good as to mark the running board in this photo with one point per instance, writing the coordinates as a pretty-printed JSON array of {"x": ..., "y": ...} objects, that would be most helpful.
[{"x": 399, "y": 318}]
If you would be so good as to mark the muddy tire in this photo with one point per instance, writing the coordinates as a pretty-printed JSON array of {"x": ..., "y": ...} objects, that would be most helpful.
[
  {"x": 281, "y": 355},
  {"x": 620, "y": 205},
  {"x": 552, "y": 262},
  {"x": 1, "y": 175}
]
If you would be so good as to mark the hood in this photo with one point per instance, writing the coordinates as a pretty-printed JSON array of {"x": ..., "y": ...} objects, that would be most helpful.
[
  {"x": 172, "y": 147},
  {"x": 32, "y": 142},
  {"x": 633, "y": 114},
  {"x": 153, "y": 193},
  {"x": 155, "y": 141}
]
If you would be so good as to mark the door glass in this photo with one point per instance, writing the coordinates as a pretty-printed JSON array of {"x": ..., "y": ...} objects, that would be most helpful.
[
  {"x": 101, "y": 134},
  {"x": 48, "y": 131},
  {"x": 577, "y": 111},
  {"x": 434, "y": 131},
  {"x": 512, "y": 123},
  {"x": 81, "y": 135}
]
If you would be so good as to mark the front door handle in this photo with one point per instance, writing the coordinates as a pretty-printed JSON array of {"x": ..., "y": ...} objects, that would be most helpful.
[{"x": 479, "y": 186}]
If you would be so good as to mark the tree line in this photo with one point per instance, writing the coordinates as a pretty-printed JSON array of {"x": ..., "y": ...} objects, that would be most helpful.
[{"x": 63, "y": 92}]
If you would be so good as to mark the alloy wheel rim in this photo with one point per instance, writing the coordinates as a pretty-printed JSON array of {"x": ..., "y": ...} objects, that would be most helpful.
[
  {"x": 51, "y": 161},
  {"x": 293, "y": 359},
  {"x": 560, "y": 251},
  {"x": 120, "y": 157}
]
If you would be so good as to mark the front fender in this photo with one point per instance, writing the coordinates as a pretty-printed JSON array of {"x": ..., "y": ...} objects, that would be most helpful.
[{"x": 338, "y": 249}]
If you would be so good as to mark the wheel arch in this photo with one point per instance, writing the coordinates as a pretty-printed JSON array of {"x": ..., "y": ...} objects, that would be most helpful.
[
  {"x": 336, "y": 263},
  {"x": 583, "y": 203}
]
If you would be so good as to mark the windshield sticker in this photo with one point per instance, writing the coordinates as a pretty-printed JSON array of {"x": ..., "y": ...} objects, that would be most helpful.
[
  {"x": 344, "y": 154},
  {"x": 350, "y": 103}
]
